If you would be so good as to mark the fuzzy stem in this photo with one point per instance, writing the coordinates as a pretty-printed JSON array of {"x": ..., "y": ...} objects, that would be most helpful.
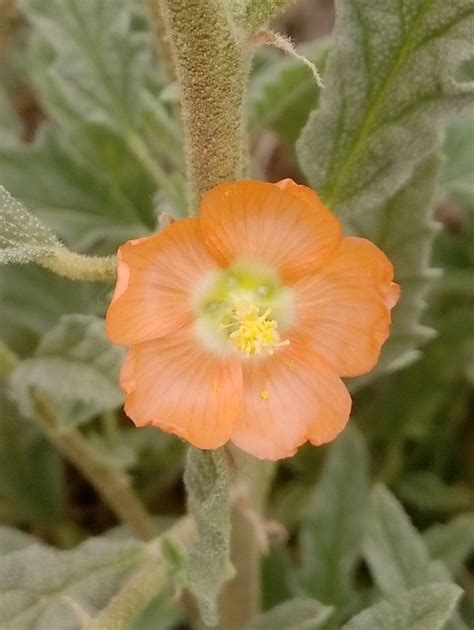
[
  {"x": 145, "y": 584},
  {"x": 211, "y": 65},
  {"x": 79, "y": 266}
]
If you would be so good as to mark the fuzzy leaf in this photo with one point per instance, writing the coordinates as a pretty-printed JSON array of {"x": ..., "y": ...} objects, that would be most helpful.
[
  {"x": 23, "y": 238},
  {"x": 453, "y": 542},
  {"x": 295, "y": 614},
  {"x": 99, "y": 61},
  {"x": 40, "y": 587},
  {"x": 86, "y": 186},
  {"x": 77, "y": 355},
  {"x": 331, "y": 535},
  {"x": 208, "y": 566},
  {"x": 31, "y": 472},
  {"x": 423, "y": 608},
  {"x": 395, "y": 551},
  {"x": 389, "y": 84}
]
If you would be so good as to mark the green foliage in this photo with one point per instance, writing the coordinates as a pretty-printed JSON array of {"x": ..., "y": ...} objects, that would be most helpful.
[
  {"x": 332, "y": 532},
  {"x": 396, "y": 553},
  {"x": 457, "y": 175},
  {"x": 295, "y": 614},
  {"x": 77, "y": 354},
  {"x": 22, "y": 237},
  {"x": 423, "y": 608},
  {"x": 12, "y": 539},
  {"x": 43, "y": 588},
  {"x": 389, "y": 84},
  {"x": 206, "y": 479},
  {"x": 452, "y": 542},
  {"x": 31, "y": 472},
  {"x": 98, "y": 61}
]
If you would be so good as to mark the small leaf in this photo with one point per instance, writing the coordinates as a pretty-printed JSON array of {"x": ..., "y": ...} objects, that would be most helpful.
[
  {"x": 332, "y": 534},
  {"x": 77, "y": 355},
  {"x": 423, "y": 608},
  {"x": 295, "y": 614},
  {"x": 23, "y": 238},
  {"x": 208, "y": 567},
  {"x": 429, "y": 493},
  {"x": 452, "y": 542},
  {"x": 40, "y": 586}
]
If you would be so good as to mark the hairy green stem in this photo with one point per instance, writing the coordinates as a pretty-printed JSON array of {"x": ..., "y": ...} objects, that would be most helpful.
[
  {"x": 79, "y": 266},
  {"x": 211, "y": 63},
  {"x": 145, "y": 584},
  {"x": 258, "y": 13}
]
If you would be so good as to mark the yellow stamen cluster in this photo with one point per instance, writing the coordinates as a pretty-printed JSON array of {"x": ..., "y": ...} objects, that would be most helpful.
[{"x": 256, "y": 332}]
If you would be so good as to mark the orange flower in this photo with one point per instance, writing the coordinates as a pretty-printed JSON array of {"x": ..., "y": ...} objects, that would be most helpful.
[{"x": 241, "y": 322}]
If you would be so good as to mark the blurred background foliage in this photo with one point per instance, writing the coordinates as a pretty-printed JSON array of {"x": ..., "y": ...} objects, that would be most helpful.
[{"x": 90, "y": 143}]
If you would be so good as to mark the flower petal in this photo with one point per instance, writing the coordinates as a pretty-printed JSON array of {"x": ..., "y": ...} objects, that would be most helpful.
[
  {"x": 174, "y": 384},
  {"x": 289, "y": 397},
  {"x": 154, "y": 280},
  {"x": 344, "y": 308},
  {"x": 260, "y": 222}
]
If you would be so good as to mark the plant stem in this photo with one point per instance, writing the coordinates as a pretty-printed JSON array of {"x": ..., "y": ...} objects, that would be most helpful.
[
  {"x": 80, "y": 267},
  {"x": 114, "y": 486},
  {"x": 145, "y": 584},
  {"x": 211, "y": 64}
]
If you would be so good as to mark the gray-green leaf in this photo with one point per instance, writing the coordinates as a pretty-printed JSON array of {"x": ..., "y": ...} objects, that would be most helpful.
[
  {"x": 452, "y": 542},
  {"x": 332, "y": 534},
  {"x": 42, "y": 588},
  {"x": 389, "y": 83},
  {"x": 76, "y": 366},
  {"x": 295, "y": 614},
  {"x": 423, "y": 608},
  {"x": 23, "y": 238}
]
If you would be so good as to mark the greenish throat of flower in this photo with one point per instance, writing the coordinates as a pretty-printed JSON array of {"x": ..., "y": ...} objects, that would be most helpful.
[{"x": 244, "y": 308}]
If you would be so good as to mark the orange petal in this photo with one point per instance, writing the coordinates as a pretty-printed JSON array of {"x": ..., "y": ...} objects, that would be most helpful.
[
  {"x": 174, "y": 384},
  {"x": 289, "y": 398},
  {"x": 154, "y": 281},
  {"x": 260, "y": 222},
  {"x": 344, "y": 308}
]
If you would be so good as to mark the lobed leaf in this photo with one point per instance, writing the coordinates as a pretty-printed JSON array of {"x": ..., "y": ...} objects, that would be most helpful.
[
  {"x": 389, "y": 84},
  {"x": 423, "y": 608},
  {"x": 332, "y": 533},
  {"x": 77, "y": 355}
]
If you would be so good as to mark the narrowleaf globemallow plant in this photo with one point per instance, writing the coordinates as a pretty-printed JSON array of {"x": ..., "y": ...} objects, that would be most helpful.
[
  {"x": 228, "y": 314},
  {"x": 240, "y": 322}
]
